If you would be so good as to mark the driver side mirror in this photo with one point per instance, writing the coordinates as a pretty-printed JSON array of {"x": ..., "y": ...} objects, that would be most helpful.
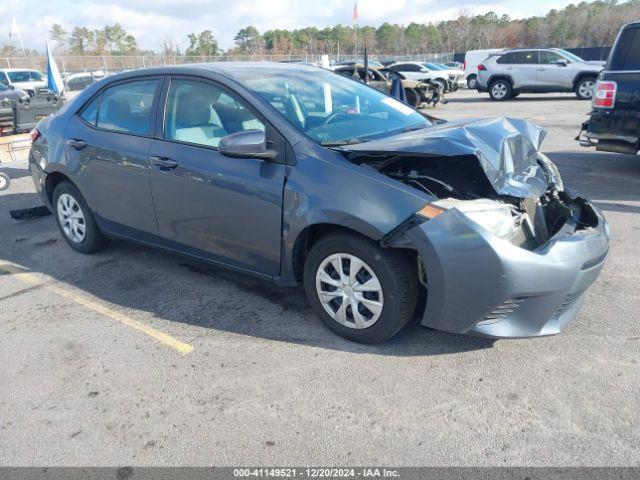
[
  {"x": 562, "y": 62},
  {"x": 246, "y": 144}
]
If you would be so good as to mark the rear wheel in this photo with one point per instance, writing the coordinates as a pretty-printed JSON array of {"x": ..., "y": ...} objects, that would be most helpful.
[
  {"x": 361, "y": 291},
  {"x": 75, "y": 220},
  {"x": 471, "y": 81},
  {"x": 500, "y": 90},
  {"x": 584, "y": 88}
]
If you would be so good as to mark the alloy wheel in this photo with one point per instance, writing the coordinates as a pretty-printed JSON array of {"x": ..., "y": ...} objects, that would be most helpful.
[
  {"x": 349, "y": 291},
  {"x": 586, "y": 89},
  {"x": 71, "y": 218},
  {"x": 499, "y": 91}
]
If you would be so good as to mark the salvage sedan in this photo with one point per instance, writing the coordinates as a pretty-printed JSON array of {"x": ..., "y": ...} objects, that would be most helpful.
[{"x": 298, "y": 175}]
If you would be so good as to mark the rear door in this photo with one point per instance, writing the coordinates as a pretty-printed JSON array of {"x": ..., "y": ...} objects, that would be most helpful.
[
  {"x": 521, "y": 66},
  {"x": 225, "y": 209},
  {"x": 552, "y": 75},
  {"x": 109, "y": 140}
]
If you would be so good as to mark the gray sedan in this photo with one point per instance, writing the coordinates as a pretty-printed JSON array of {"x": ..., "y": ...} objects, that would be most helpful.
[{"x": 300, "y": 176}]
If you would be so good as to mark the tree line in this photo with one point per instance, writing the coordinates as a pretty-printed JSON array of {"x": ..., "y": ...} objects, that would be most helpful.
[{"x": 577, "y": 25}]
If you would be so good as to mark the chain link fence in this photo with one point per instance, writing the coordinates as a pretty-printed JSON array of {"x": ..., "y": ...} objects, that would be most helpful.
[{"x": 108, "y": 63}]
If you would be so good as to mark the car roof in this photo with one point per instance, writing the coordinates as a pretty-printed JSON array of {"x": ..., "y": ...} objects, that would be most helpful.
[{"x": 233, "y": 70}]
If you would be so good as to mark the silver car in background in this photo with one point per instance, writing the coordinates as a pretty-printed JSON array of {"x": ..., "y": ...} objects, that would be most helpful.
[{"x": 508, "y": 73}]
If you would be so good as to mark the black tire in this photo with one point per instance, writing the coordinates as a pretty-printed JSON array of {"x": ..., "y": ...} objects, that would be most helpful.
[
  {"x": 471, "y": 82},
  {"x": 413, "y": 97},
  {"x": 582, "y": 87},
  {"x": 500, "y": 90},
  {"x": 93, "y": 239},
  {"x": 443, "y": 84},
  {"x": 396, "y": 271},
  {"x": 4, "y": 181}
]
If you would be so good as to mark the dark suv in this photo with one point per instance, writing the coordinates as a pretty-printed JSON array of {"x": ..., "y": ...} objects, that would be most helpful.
[{"x": 614, "y": 124}]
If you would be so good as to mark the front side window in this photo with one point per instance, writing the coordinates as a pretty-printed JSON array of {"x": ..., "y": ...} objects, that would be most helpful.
[
  {"x": 549, "y": 58},
  {"x": 37, "y": 76},
  {"x": 127, "y": 107},
  {"x": 330, "y": 108},
  {"x": 202, "y": 113}
]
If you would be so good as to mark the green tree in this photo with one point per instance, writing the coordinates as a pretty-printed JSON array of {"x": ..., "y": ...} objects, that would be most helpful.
[
  {"x": 203, "y": 44},
  {"x": 80, "y": 40},
  {"x": 249, "y": 40},
  {"x": 57, "y": 33}
]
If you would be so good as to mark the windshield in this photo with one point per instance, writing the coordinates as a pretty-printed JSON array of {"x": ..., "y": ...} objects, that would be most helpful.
[
  {"x": 571, "y": 56},
  {"x": 24, "y": 76},
  {"x": 332, "y": 109}
]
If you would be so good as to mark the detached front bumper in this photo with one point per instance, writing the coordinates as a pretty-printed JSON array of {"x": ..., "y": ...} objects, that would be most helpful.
[{"x": 483, "y": 285}]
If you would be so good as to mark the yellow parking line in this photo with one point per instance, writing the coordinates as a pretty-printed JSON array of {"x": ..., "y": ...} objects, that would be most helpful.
[{"x": 53, "y": 286}]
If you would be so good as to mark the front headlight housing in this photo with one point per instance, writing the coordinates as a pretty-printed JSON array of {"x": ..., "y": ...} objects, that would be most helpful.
[{"x": 499, "y": 218}]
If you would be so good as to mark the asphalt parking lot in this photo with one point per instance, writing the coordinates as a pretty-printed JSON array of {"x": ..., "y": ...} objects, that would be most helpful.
[{"x": 137, "y": 357}]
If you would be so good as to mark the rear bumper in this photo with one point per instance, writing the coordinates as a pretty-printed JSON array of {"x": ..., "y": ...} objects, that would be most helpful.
[
  {"x": 606, "y": 126},
  {"x": 483, "y": 285},
  {"x": 39, "y": 177}
]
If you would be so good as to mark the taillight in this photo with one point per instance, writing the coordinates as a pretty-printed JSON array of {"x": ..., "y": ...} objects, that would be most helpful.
[
  {"x": 34, "y": 134},
  {"x": 605, "y": 94},
  {"x": 464, "y": 65},
  {"x": 482, "y": 68}
]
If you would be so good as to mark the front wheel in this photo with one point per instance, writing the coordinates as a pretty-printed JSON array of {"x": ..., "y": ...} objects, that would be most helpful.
[
  {"x": 584, "y": 88},
  {"x": 4, "y": 181},
  {"x": 500, "y": 90},
  {"x": 75, "y": 220},
  {"x": 413, "y": 97},
  {"x": 361, "y": 291}
]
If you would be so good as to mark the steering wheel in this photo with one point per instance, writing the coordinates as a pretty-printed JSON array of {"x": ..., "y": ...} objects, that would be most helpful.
[{"x": 331, "y": 118}]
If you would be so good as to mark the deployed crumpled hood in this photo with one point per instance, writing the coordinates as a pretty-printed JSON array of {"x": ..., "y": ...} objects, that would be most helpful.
[{"x": 507, "y": 149}]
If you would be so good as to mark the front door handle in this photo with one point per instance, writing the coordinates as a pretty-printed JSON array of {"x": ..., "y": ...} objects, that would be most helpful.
[
  {"x": 542, "y": 69},
  {"x": 76, "y": 143},
  {"x": 163, "y": 162}
]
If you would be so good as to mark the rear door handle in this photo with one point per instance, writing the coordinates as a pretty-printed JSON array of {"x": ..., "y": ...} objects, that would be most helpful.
[
  {"x": 76, "y": 143},
  {"x": 542, "y": 69},
  {"x": 163, "y": 162}
]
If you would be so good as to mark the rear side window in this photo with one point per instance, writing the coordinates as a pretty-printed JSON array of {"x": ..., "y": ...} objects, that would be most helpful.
[
  {"x": 626, "y": 52},
  {"x": 127, "y": 107},
  {"x": 90, "y": 113},
  {"x": 519, "y": 58}
]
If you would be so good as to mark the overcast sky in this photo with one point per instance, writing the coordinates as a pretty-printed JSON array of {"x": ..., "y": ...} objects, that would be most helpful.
[{"x": 152, "y": 20}]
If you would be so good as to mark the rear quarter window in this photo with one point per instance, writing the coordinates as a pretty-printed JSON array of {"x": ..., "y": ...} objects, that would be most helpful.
[{"x": 626, "y": 52}]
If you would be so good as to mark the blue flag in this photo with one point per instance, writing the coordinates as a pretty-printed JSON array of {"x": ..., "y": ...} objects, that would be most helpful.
[{"x": 54, "y": 79}]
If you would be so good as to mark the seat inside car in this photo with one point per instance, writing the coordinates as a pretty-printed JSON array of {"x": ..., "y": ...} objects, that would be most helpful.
[{"x": 196, "y": 122}]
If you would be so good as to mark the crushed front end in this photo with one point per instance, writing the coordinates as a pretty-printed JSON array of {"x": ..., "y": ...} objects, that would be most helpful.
[{"x": 503, "y": 249}]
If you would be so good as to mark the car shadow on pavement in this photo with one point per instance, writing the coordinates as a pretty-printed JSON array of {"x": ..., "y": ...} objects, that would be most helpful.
[
  {"x": 484, "y": 97},
  {"x": 604, "y": 178},
  {"x": 178, "y": 289}
]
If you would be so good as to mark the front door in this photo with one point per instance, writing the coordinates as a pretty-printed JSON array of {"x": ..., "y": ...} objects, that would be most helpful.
[
  {"x": 109, "y": 143},
  {"x": 225, "y": 209},
  {"x": 552, "y": 75}
]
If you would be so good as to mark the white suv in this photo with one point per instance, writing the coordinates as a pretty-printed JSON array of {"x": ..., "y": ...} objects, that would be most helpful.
[
  {"x": 508, "y": 73},
  {"x": 24, "y": 79}
]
